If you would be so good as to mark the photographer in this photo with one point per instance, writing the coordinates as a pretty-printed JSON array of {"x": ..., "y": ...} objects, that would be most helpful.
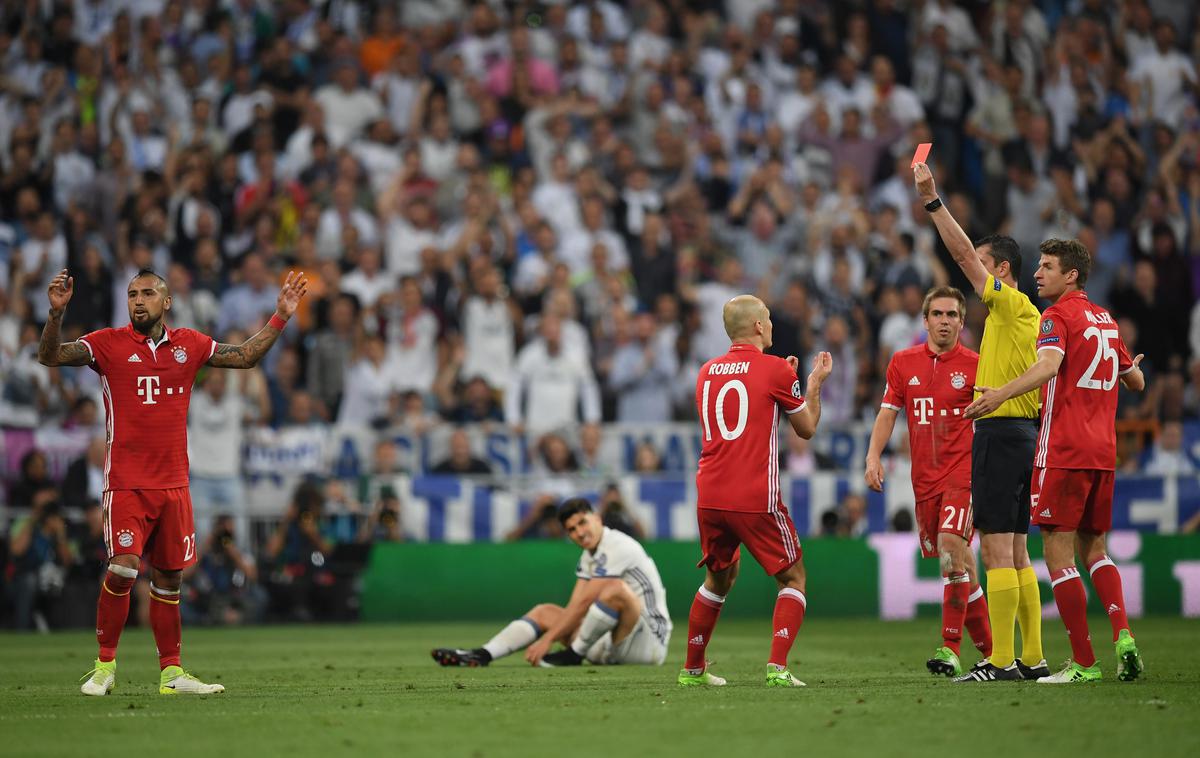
[
  {"x": 384, "y": 525},
  {"x": 39, "y": 555},
  {"x": 301, "y": 585},
  {"x": 223, "y": 585}
]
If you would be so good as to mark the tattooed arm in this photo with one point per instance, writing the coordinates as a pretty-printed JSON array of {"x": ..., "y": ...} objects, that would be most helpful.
[
  {"x": 250, "y": 352},
  {"x": 51, "y": 352}
]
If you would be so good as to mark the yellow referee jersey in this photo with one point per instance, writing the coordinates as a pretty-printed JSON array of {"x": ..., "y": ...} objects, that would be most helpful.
[{"x": 1009, "y": 346}]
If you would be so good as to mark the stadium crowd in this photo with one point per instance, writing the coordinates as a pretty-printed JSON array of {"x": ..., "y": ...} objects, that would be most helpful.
[{"x": 529, "y": 215}]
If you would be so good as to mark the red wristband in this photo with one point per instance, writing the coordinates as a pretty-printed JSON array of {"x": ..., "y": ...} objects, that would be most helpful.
[{"x": 276, "y": 322}]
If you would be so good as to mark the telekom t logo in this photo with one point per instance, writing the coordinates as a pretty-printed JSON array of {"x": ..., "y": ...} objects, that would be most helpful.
[
  {"x": 922, "y": 409},
  {"x": 148, "y": 389}
]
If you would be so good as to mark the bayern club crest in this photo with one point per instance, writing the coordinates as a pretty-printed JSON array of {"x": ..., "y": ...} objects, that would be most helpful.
[
  {"x": 125, "y": 538},
  {"x": 180, "y": 355},
  {"x": 958, "y": 380}
]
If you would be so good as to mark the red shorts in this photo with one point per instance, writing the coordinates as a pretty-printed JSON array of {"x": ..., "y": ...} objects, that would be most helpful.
[
  {"x": 770, "y": 538},
  {"x": 948, "y": 512},
  {"x": 156, "y": 523},
  {"x": 1072, "y": 499}
]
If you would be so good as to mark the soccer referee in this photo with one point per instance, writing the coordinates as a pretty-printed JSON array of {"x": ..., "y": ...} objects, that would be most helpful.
[{"x": 1002, "y": 452}]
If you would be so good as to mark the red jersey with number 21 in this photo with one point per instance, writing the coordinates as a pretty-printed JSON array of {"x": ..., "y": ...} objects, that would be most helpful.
[
  {"x": 147, "y": 388},
  {"x": 931, "y": 391},
  {"x": 1079, "y": 405},
  {"x": 740, "y": 397}
]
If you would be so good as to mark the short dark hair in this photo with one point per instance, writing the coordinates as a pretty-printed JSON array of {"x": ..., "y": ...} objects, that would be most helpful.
[
  {"x": 571, "y": 506},
  {"x": 1003, "y": 248},
  {"x": 1071, "y": 254},
  {"x": 149, "y": 272}
]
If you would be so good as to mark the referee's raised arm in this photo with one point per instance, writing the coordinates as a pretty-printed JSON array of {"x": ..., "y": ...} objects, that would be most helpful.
[{"x": 956, "y": 240}]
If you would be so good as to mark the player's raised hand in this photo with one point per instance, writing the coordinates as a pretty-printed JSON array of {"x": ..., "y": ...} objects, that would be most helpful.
[
  {"x": 923, "y": 179},
  {"x": 989, "y": 400},
  {"x": 293, "y": 290},
  {"x": 822, "y": 368},
  {"x": 61, "y": 289},
  {"x": 794, "y": 362},
  {"x": 1137, "y": 360},
  {"x": 874, "y": 474}
]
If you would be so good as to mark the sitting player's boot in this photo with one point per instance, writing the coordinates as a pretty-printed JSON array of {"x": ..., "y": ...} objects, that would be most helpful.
[
  {"x": 175, "y": 681},
  {"x": 1033, "y": 673},
  {"x": 448, "y": 656},
  {"x": 100, "y": 680},
  {"x": 782, "y": 678},
  {"x": 944, "y": 663},
  {"x": 703, "y": 679},
  {"x": 984, "y": 671},
  {"x": 564, "y": 657},
  {"x": 1073, "y": 673},
  {"x": 1129, "y": 660}
]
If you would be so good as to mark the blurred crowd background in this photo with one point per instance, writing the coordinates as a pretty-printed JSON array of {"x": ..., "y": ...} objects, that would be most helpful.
[{"x": 526, "y": 216}]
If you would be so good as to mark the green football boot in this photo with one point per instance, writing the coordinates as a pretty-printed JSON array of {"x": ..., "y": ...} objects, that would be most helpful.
[
  {"x": 1129, "y": 660},
  {"x": 944, "y": 663},
  {"x": 782, "y": 678},
  {"x": 1073, "y": 673}
]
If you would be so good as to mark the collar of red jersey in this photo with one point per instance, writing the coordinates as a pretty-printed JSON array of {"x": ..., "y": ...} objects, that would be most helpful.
[
  {"x": 742, "y": 346},
  {"x": 1073, "y": 293},
  {"x": 948, "y": 354},
  {"x": 146, "y": 338}
]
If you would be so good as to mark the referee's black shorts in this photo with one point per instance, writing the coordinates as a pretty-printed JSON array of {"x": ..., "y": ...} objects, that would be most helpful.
[{"x": 1001, "y": 470}]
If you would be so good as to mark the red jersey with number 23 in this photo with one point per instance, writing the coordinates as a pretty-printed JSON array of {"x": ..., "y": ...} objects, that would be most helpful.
[
  {"x": 931, "y": 391},
  {"x": 147, "y": 388},
  {"x": 1079, "y": 405},
  {"x": 740, "y": 397}
]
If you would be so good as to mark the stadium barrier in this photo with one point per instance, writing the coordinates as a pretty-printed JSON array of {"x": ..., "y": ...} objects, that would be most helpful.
[{"x": 881, "y": 576}]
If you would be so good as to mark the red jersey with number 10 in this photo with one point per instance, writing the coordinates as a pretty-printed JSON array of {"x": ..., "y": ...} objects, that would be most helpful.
[
  {"x": 740, "y": 396},
  {"x": 147, "y": 388},
  {"x": 931, "y": 391},
  {"x": 1079, "y": 405}
]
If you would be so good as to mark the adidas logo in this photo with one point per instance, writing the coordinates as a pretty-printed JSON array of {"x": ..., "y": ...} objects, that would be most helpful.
[
  {"x": 783, "y": 633},
  {"x": 134, "y": 358},
  {"x": 1046, "y": 513},
  {"x": 914, "y": 382},
  {"x": 697, "y": 640},
  {"x": 1113, "y": 608}
]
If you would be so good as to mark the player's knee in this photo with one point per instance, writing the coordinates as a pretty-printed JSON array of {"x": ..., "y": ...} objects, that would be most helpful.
[
  {"x": 615, "y": 594},
  {"x": 167, "y": 580},
  {"x": 126, "y": 561}
]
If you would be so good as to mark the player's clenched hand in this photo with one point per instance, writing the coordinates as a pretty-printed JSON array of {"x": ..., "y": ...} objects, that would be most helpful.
[
  {"x": 293, "y": 290},
  {"x": 794, "y": 362},
  {"x": 537, "y": 651},
  {"x": 1137, "y": 360},
  {"x": 874, "y": 475},
  {"x": 61, "y": 289},
  {"x": 989, "y": 400},
  {"x": 923, "y": 178},
  {"x": 822, "y": 368}
]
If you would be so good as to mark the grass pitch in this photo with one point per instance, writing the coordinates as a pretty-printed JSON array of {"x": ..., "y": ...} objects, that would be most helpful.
[{"x": 373, "y": 690}]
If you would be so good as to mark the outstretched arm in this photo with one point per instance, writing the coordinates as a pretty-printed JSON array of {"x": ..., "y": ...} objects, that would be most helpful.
[
  {"x": 250, "y": 352},
  {"x": 955, "y": 239},
  {"x": 51, "y": 351},
  {"x": 1041, "y": 371}
]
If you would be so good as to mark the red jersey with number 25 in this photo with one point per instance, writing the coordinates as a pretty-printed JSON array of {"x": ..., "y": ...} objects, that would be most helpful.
[
  {"x": 931, "y": 391},
  {"x": 1079, "y": 405},
  {"x": 147, "y": 388},
  {"x": 740, "y": 397}
]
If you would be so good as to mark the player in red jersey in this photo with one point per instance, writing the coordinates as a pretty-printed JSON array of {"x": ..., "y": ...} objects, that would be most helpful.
[
  {"x": 1080, "y": 359},
  {"x": 931, "y": 385},
  {"x": 740, "y": 397},
  {"x": 146, "y": 373}
]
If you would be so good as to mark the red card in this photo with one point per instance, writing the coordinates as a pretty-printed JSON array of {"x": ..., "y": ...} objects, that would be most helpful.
[{"x": 922, "y": 153}]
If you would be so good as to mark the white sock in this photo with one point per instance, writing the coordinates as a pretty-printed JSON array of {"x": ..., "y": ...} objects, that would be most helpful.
[
  {"x": 517, "y": 635},
  {"x": 598, "y": 621}
]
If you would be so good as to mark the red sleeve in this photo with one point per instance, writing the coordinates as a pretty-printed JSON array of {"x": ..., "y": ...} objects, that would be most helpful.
[
  {"x": 97, "y": 343},
  {"x": 204, "y": 348},
  {"x": 893, "y": 391},
  {"x": 1052, "y": 333},
  {"x": 785, "y": 387}
]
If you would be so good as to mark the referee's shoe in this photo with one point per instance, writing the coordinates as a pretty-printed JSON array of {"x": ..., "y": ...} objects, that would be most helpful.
[{"x": 984, "y": 671}]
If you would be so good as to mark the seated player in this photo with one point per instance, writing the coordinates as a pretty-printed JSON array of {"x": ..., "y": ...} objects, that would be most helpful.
[{"x": 617, "y": 612}]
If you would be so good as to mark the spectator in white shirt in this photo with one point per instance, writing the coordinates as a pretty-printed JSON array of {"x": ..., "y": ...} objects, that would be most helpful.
[
  {"x": 489, "y": 329},
  {"x": 342, "y": 213},
  {"x": 369, "y": 397},
  {"x": 551, "y": 387},
  {"x": 902, "y": 103},
  {"x": 1167, "y": 455},
  {"x": 348, "y": 106},
  {"x": 412, "y": 331},
  {"x": 215, "y": 421},
  {"x": 577, "y": 245},
  {"x": 367, "y": 281},
  {"x": 1163, "y": 78}
]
